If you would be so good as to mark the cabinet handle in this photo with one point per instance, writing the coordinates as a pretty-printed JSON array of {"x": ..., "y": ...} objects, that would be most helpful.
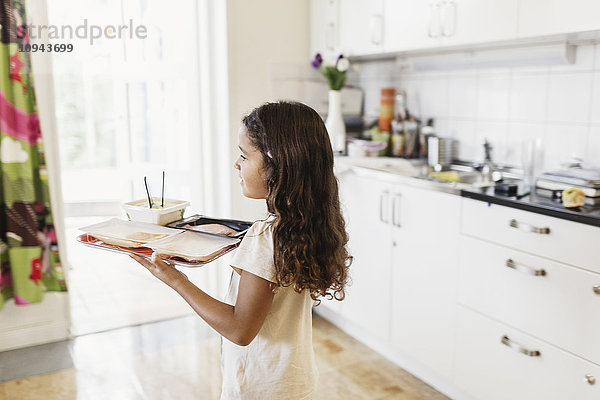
[
  {"x": 514, "y": 345},
  {"x": 590, "y": 379},
  {"x": 597, "y": 289},
  {"x": 528, "y": 228},
  {"x": 329, "y": 38},
  {"x": 434, "y": 20},
  {"x": 395, "y": 221},
  {"x": 449, "y": 29},
  {"x": 382, "y": 197},
  {"x": 376, "y": 23},
  {"x": 526, "y": 268}
]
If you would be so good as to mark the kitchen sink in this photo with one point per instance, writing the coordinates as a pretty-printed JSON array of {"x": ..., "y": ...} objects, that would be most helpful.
[
  {"x": 461, "y": 175},
  {"x": 461, "y": 179}
]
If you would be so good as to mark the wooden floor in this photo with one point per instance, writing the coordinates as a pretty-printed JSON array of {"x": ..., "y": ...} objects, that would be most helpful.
[{"x": 187, "y": 366}]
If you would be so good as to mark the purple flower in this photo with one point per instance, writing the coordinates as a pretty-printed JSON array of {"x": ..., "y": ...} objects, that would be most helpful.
[{"x": 316, "y": 63}]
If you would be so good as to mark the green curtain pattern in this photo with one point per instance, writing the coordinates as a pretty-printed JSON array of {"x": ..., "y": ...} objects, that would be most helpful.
[{"x": 29, "y": 257}]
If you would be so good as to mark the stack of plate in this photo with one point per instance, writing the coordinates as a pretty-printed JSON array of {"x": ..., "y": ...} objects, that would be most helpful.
[
  {"x": 441, "y": 151},
  {"x": 586, "y": 179}
]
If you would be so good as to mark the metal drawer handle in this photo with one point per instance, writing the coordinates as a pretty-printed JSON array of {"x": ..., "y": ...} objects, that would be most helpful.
[
  {"x": 395, "y": 217},
  {"x": 590, "y": 379},
  {"x": 597, "y": 289},
  {"x": 528, "y": 228},
  {"x": 383, "y": 197},
  {"x": 526, "y": 268},
  {"x": 514, "y": 345}
]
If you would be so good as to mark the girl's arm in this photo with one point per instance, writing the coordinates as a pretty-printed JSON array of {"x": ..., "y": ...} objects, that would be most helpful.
[{"x": 240, "y": 323}]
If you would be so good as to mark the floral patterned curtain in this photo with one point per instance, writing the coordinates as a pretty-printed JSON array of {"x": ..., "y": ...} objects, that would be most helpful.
[{"x": 29, "y": 258}]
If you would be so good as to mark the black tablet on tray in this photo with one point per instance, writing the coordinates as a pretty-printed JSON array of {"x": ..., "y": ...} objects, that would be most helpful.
[{"x": 214, "y": 226}]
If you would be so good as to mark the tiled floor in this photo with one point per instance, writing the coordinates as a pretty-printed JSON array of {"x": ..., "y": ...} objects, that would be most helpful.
[{"x": 179, "y": 359}]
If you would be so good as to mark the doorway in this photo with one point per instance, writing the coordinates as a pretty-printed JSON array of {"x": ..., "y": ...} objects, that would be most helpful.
[{"x": 124, "y": 111}]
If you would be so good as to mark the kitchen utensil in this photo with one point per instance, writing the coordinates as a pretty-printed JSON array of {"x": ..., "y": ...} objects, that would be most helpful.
[{"x": 148, "y": 193}]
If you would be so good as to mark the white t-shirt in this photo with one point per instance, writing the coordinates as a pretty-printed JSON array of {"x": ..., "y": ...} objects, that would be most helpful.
[{"x": 279, "y": 363}]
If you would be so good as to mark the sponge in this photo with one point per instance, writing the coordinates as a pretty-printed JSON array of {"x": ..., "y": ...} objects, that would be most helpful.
[{"x": 447, "y": 176}]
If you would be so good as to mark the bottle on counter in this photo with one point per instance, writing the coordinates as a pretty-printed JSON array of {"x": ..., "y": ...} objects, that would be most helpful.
[
  {"x": 425, "y": 132},
  {"x": 386, "y": 111},
  {"x": 411, "y": 132},
  {"x": 398, "y": 126}
]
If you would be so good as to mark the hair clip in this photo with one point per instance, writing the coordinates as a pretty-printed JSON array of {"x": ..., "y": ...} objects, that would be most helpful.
[{"x": 269, "y": 154}]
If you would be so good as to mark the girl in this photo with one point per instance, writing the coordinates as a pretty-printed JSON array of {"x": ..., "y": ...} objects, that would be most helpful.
[{"x": 283, "y": 264}]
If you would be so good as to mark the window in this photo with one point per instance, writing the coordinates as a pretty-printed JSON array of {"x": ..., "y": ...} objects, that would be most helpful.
[{"x": 125, "y": 107}]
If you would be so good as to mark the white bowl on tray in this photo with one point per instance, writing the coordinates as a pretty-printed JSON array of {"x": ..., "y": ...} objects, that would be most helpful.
[{"x": 140, "y": 211}]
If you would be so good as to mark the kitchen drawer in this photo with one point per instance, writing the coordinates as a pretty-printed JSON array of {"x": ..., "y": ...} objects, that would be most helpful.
[
  {"x": 488, "y": 369},
  {"x": 558, "y": 239},
  {"x": 560, "y": 306}
]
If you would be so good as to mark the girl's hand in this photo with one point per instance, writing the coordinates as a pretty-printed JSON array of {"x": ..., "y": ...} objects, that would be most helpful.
[{"x": 164, "y": 271}]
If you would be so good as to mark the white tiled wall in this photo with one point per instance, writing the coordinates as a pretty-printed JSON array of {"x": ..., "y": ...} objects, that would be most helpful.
[{"x": 559, "y": 104}]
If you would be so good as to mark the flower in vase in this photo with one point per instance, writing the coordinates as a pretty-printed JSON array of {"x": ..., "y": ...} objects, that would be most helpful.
[{"x": 335, "y": 74}]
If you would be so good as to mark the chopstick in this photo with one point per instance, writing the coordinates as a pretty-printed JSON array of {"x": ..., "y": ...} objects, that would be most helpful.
[
  {"x": 162, "y": 201},
  {"x": 148, "y": 192}
]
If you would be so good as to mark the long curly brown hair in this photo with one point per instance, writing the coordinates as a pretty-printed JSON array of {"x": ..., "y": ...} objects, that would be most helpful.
[{"x": 309, "y": 233}]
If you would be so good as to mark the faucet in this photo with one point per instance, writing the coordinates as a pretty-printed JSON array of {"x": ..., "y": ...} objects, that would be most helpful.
[{"x": 488, "y": 168}]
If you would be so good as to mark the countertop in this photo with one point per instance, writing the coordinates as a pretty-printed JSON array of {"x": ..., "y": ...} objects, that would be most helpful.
[
  {"x": 395, "y": 170},
  {"x": 588, "y": 214},
  {"x": 398, "y": 170}
]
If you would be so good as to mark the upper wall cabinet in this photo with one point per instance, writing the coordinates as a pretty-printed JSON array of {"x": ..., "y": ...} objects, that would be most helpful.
[
  {"x": 548, "y": 17},
  {"x": 324, "y": 28},
  {"x": 478, "y": 21},
  {"x": 361, "y": 27},
  {"x": 421, "y": 24},
  {"x": 371, "y": 27},
  {"x": 412, "y": 24}
]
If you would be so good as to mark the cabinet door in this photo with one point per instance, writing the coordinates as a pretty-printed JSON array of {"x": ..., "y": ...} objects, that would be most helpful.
[
  {"x": 411, "y": 24},
  {"x": 424, "y": 270},
  {"x": 324, "y": 28},
  {"x": 366, "y": 208},
  {"x": 564, "y": 241},
  {"x": 547, "y": 17},
  {"x": 497, "y": 362},
  {"x": 478, "y": 21},
  {"x": 361, "y": 27},
  {"x": 552, "y": 301}
]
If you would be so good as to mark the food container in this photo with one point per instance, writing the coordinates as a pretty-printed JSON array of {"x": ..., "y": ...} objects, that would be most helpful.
[
  {"x": 365, "y": 148},
  {"x": 138, "y": 210}
]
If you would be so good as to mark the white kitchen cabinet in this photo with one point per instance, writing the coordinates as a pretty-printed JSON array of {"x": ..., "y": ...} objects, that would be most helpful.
[
  {"x": 418, "y": 24},
  {"x": 529, "y": 296},
  {"x": 361, "y": 27},
  {"x": 547, "y": 17},
  {"x": 324, "y": 28},
  {"x": 497, "y": 362},
  {"x": 424, "y": 273},
  {"x": 412, "y": 24},
  {"x": 404, "y": 242},
  {"x": 558, "y": 239},
  {"x": 550, "y": 300},
  {"x": 478, "y": 21},
  {"x": 368, "y": 300}
]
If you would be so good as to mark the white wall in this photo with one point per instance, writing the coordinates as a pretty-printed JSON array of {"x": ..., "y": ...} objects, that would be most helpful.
[
  {"x": 560, "y": 104},
  {"x": 262, "y": 34}
]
